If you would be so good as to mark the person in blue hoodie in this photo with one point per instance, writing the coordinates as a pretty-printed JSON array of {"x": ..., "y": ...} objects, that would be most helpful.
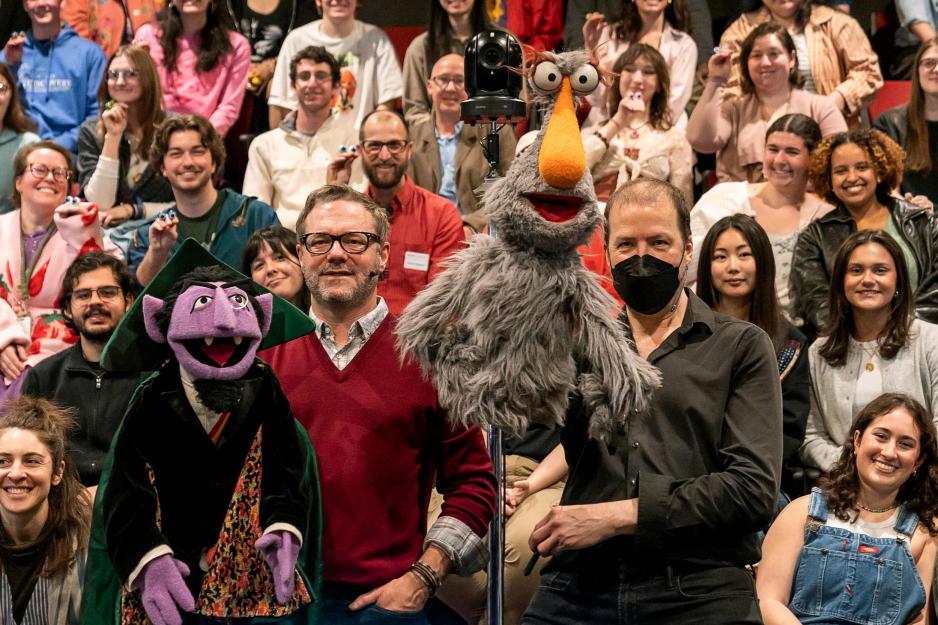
[{"x": 57, "y": 73}]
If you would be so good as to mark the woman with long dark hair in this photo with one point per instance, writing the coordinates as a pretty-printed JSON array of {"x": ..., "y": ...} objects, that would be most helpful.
[
  {"x": 914, "y": 126},
  {"x": 835, "y": 58},
  {"x": 737, "y": 277},
  {"x": 639, "y": 139},
  {"x": 861, "y": 547},
  {"x": 871, "y": 344},
  {"x": 45, "y": 516},
  {"x": 781, "y": 204},
  {"x": 734, "y": 127},
  {"x": 16, "y": 130},
  {"x": 856, "y": 172},
  {"x": 114, "y": 168},
  {"x": 665, "y": 26},
  {"x": 452, "y": 25},
  {"x": 201, "y": 62}
]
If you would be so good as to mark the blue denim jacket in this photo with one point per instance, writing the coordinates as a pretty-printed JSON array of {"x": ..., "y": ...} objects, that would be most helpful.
[{"x": 846, "y": 577}]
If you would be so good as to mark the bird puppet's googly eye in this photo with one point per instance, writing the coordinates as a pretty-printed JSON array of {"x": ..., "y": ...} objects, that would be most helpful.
[
  {"x": 547, "y": 76},
  {"x": 584, "y": 79}
]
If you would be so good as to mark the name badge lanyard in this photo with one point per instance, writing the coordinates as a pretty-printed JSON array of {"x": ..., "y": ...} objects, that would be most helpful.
[{"x": 26, "y": 274}]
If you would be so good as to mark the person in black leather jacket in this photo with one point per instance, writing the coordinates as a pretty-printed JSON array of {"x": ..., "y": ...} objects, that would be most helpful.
[
  {"x": 97, "y": 290},
  {"x": 857, "y": 173}
]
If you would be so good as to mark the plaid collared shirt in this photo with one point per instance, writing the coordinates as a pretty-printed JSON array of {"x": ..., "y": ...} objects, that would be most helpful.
[{"x": 358, "y": 335}]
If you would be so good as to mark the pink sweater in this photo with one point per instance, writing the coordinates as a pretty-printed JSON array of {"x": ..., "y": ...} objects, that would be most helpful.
[
  {"x": 74, "y": 236},
  {"x": 215, "y": 95}
]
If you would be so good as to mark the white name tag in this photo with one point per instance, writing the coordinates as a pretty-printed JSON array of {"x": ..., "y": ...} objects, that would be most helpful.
[{"x": 416, "y": 261}]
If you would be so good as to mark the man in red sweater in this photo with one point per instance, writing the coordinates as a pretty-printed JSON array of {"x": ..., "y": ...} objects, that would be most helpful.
[{"x": 381, "y": 438}]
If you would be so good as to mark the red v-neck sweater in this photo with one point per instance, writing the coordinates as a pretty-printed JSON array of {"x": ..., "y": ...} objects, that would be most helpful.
[{"x": 381, "y": 439}]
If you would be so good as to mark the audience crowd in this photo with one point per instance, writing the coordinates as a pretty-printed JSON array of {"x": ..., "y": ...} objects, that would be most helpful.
[{"x": 786, "y": 224}]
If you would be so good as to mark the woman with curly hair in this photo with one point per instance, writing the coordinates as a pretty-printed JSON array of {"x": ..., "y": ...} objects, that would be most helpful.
[
  {"x": 664, "y": 26},
  {"x": 857, "y": 172},
  {"x": 914, "y": 126},
  {"x": 872, "y": 343},
  {"x": 639, "y": 140},
  {"x": 202, "y": 63},
  {"x": 16, "y": 130},
  {"x": 45, "y": 515},
  {"x": 861, "y": 547},
  {"x": 734, "y": 127}
]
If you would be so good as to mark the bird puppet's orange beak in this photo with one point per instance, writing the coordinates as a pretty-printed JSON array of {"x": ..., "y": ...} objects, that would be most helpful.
[{"x": 562, "y": 160}]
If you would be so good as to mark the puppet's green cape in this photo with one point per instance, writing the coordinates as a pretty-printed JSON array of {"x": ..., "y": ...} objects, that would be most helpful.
[{"x": 130, "y": 349}]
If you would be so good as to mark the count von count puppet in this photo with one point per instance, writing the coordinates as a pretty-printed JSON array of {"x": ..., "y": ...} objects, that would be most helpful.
[{"x": 205, "y": 510}]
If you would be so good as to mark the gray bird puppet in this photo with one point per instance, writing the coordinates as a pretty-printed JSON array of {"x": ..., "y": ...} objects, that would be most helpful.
[{"x": 516, "y": 323}]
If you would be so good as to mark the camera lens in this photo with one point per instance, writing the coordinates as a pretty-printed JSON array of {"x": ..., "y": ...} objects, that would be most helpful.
[{"x": 492, "y": 56}]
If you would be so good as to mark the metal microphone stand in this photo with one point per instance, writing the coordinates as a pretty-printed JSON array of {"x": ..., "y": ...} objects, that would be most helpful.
[{"x": 496, "y": 572}]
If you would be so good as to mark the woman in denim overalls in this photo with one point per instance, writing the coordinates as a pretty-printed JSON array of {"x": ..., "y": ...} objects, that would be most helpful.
[{"x": 860, "y": 549}]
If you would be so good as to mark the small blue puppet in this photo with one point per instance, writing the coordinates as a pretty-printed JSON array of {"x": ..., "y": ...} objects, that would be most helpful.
[{"x": 205, "y": 509}]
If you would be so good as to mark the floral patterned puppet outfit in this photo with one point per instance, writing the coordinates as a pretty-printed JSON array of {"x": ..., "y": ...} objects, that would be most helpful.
[{"x": 206, "y": 512}]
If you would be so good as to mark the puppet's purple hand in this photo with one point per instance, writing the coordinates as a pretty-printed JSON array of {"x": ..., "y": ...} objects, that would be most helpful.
[
  {"x": 164, "y": 592},
  {"x": 280, "y": 549}
]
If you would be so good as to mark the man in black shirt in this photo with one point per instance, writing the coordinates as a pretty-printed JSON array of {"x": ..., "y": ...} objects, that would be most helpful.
[
  {"x": 659, "y": 526},
  {"x": 97, "y": 290}
]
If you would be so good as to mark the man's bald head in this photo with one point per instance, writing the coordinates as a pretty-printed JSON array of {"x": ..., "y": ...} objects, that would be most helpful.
[{"x": 446, "y": 85}]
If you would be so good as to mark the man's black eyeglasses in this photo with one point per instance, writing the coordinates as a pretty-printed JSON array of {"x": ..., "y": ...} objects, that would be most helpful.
[{"x": 319, "y": 243}]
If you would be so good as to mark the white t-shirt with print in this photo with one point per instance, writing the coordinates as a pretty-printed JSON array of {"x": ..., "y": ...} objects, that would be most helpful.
[{"x": 370, "y": 71}]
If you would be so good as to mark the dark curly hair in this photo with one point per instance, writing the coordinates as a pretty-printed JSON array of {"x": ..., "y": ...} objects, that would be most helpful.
[
  {"x": 885, "y": 155},
  {"x": 214, "y": 36},
  {"x": 86, "y": 263},
  {"x": 659, "y": 113},
  {"x": 840, "y": 325},
  {"x": 69, "y": 519},
  {"x": 919, "y": 493}
]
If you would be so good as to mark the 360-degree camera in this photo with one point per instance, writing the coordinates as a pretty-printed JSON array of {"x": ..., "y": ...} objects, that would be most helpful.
[{"x": 492, "y": 86}]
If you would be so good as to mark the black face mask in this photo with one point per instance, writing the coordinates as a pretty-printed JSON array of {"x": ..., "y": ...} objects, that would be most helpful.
[{"x": 645, "y": 283}]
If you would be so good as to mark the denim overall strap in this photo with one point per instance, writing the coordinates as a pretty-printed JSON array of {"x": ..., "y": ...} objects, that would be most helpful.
[
  {"x": 907, "y": 522},
  {"x": 817, "y": 505}
]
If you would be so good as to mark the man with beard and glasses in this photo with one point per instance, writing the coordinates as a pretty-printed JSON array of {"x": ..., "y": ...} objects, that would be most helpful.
[
  {"x": 661, "y": 523},
  {"x": 381, "y": 438},
  {"x": 425, "y": 228},
  {"x": 288, "y": 161},
  {"x": 96, "y": 292},
  {"x": 188, "y": 152}
]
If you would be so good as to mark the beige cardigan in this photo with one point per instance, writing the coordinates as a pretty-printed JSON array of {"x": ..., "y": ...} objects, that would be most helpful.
[{"x": 842, "y": 58}]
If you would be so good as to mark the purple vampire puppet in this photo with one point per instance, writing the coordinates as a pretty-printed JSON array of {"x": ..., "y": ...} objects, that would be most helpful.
[{"x": 205, "y": 509}]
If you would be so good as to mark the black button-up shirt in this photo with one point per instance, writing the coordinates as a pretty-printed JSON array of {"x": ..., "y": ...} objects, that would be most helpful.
[{"x": 704, "y": 461}]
